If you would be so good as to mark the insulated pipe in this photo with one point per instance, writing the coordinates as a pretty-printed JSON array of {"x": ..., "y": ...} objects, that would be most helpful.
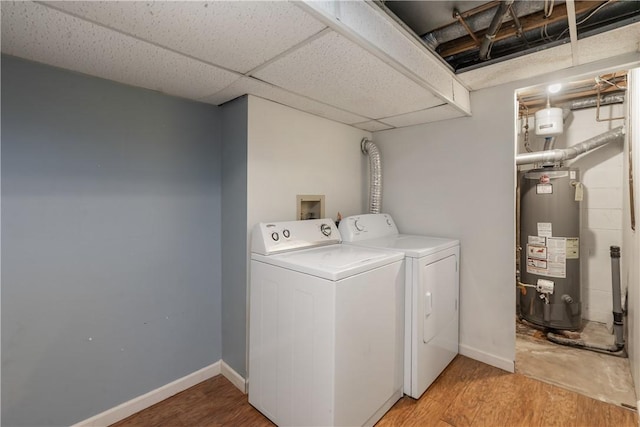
[
  {"x": 573, "y": 151},
  {"x": 618, "y": 323},
  {"x": 375, "y": 174},
  {"x": 496, "y": 22}
]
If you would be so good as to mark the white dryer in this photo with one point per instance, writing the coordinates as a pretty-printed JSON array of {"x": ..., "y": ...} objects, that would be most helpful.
[
  {"x": 326, "y": 326},
  {"x": 431, "y": 294}
]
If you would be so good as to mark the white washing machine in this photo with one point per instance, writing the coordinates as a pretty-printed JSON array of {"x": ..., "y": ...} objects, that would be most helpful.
[
  {"x": 326, "y": 326},
  {"x": 431, "y": 297}
]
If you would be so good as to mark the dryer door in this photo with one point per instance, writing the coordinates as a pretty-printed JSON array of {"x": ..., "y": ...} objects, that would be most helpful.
[
  {"x": 435, "y": 318},
  {"x": 439, "y": 296}
]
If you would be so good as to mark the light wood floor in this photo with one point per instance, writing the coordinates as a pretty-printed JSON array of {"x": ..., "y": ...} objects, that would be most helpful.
[{"x": 468, "y": 393}]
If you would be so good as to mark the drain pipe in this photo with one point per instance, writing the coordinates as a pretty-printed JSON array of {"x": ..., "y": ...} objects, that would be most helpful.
[
  {"x": 618, "y": 324},
  {"x": 496, "y": 22},
  {"x": 613, "y": 349},
  {"x": 617, "y": 348},
  {"x": 375, "y": 174},
  {"x": 573, "y": 151}
]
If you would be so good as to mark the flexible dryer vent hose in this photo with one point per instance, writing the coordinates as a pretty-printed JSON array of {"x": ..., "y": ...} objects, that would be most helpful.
[{"x": 375, "y": 175}]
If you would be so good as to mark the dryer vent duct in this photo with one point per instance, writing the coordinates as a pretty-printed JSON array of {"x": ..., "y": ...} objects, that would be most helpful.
[{"x": 375, "y": 174}]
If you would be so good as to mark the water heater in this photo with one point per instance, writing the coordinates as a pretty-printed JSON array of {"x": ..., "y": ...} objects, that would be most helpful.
[{"x": 550, "y": 255}]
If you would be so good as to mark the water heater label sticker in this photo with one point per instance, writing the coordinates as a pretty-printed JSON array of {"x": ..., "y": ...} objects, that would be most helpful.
[
  {"x": 544, "y": 229},
  {"x": 537, "y": 240},
  {"x": 573, "y": 248},
  {"x": 557, "y": 257},
  {"x": 538, "y": 252},
  {"x": 544, "y": 188},
  {"x": 536, "y": 266}
]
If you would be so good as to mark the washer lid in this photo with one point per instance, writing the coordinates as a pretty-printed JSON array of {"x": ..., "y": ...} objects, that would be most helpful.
[
  {"x": 413, "y": 246},
  {"x": 333, "y": 262}
]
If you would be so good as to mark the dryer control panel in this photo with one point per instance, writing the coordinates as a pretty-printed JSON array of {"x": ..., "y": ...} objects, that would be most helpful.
[
  {"x": 268, "y": 238},
  {"x": 367, "y": 226}
]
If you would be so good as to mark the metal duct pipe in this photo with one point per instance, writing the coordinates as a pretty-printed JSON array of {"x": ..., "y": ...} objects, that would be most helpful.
[
  {"x": 496, "y": 22},
  {"x": 573, "y": 151},
  {"x": 375, "y": 174},
  {"x": 591, "y": 102}
]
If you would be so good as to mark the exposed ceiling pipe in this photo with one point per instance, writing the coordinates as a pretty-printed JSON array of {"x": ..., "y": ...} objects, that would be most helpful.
[
  {"x": 375, "y": 174},
  {"x": 579, "y": 104},
  {"x": 572, "y": 152},
  {"x": 476, "y": 20},
  {"x": 496, "y": 22}
]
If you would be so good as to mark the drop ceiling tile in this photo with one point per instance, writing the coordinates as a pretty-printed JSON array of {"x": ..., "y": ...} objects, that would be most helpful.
[
  {"x": 611, "y": 43},
  {"x": 542, "y": 62},
  {"x": 434, "y": 114},
  {"x": 372, "y": 126},
  {"x": 41, "y": 34},
  {"x": 335, "y": 71},
  {"x": 238, "y": 35},
  {"x": 264, "y": 90},
  {"x": 381, "y": 31}
]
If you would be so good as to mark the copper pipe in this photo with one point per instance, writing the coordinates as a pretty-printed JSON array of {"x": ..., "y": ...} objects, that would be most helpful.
[{"x": 456, "y": 14}]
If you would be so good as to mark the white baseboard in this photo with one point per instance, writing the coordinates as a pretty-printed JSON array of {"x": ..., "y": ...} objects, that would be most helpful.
[
  {"x": 489, "y": 359},
  {"x": 234, "y": 377},
  {"x": 139, "y": 403}
]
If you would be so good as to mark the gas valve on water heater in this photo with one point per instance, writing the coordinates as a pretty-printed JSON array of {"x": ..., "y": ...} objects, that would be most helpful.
[{"x": 545, "y": 288}]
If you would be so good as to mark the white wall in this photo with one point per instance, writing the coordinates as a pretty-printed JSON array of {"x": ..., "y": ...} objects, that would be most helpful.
[
  {"x": 291, "y": 152},
  {"x": 457, "y": 178},
  {"x": 631, "y": 239},
  {"x": 601, "y": 172},
  {"x": 601, "y": 210}
]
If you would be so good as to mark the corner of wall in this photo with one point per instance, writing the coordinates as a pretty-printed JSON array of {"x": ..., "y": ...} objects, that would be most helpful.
[{"x": 137, "y": 404}]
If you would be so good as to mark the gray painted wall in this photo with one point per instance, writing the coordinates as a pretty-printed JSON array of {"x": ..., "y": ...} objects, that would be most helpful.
[
  {"x": 234, "y": 234},
  {"x": 110, "y": 242}
]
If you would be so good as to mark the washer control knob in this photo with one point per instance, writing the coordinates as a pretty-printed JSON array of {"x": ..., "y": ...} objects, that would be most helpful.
[
  {"x": 388, "y": 222},
  {"x": 286, "y": 233},
  {"x": 358, "y": 226},
  {"x": 325, "y": 229},
  {"x": 275, "y": 236}
]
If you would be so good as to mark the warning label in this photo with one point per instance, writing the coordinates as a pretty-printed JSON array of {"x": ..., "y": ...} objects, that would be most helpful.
[
  {"x": 573, "y": 248},
  {"x": 539, "y": 252},
  {"x": 545, "y": 229},
  {"x": 547, "y": 256},
  {"x": 557, "y": 257}
]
